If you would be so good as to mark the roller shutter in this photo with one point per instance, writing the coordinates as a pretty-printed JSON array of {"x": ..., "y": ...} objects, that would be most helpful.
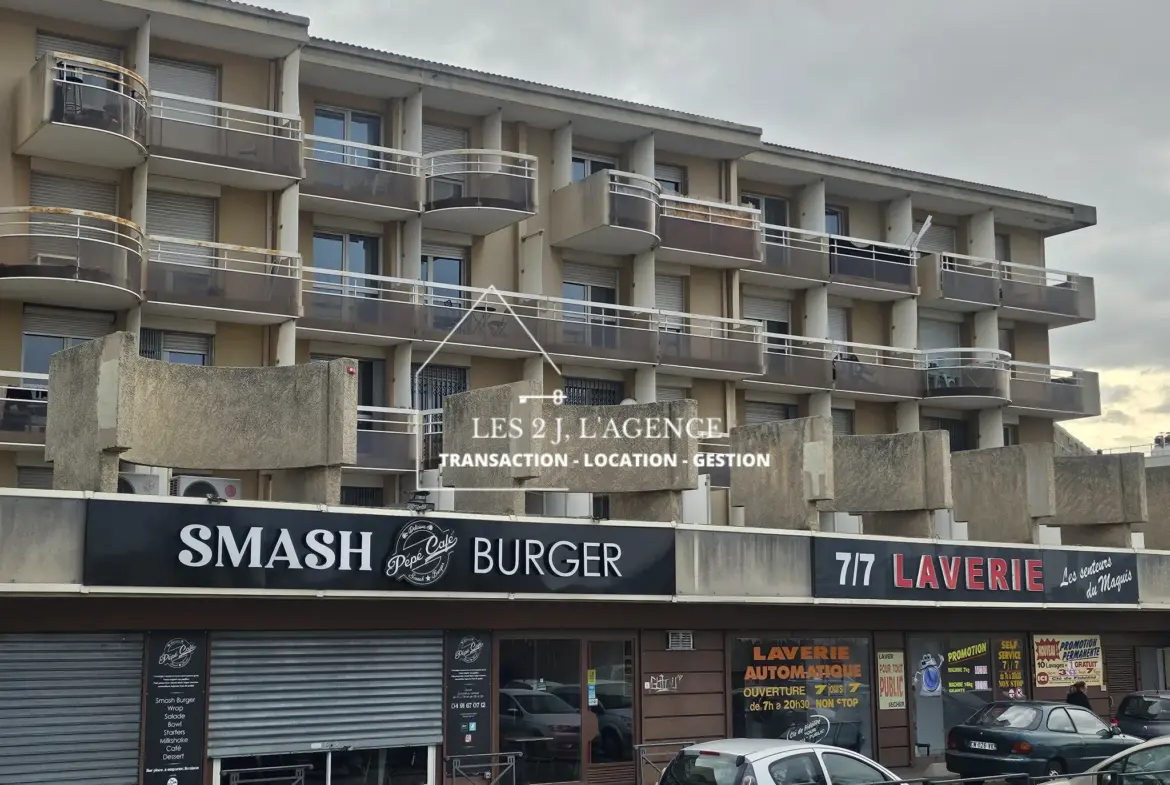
[
  {"x": 762, "y": 309},
  {"x": 444, "y": 251},
  {"x": 842, "y": 422},
  {"x": 671, "y": 394},
  {"x": 671, "y": 174},
  {"x": 70, "y": 709},
  {"x": 437, "y": 138},
  {"x": 589, "y": 275},
  {"x": 938, "y": 239},
  {"x": 1120, "y": 669},
  {"x": 669, "y": 296},
  {"x": 47, "y": 190},
  {"x": 39, "y": 478},
  {"x": 190, "y": 79},
  {"x": 760, "y": 412},
  {"x": 936, "y": 334},
  {"x": 66, "y": 323},
  {"x": 56, "y": 43},
  {"x": 838, "y": 323},
  {"x": 155, "y": 344},
  {"x": 304, "y": 692},
  {"x": 183, "y": 216}
]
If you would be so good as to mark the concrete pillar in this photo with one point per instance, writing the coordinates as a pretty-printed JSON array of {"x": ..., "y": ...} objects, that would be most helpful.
[
  {"x": 981, "y": 235},
  {"x": 986, "y": 330},
  {"x": 816, "y": 312},
  {"x": 899, "y": 220},
  {"x": 646, "y": 384},
  {"x": 411, "y": 262},
  {"x": 732, "y": 191},
  {"x": 644, "y": 280},
  {"x": 412, "y": 122},
  {"x": 810, "y": 207},
  {"x": 141, "y": 62},
  {"x": 820, "y": 404},
  {"x": 403, "y": 383},
  {"x": 134, "y": 321},
  {"x": 286, "y": 343},
  {"x": 288, "y": 212},
  {"x": 642, "y": 156},
  {"x": 493, "y": 131},
  {"x": 290, "y": 84},
  {"x": 138, "y": 199},
  {"x": 990, "y": 428},
  {"x": 904, "y": 335},
  {"x": 534, "y": 370},
  {"x": 562, "y": 157}
]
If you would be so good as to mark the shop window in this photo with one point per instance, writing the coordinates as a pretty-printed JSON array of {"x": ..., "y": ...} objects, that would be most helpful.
[
  {"x": 954, "y": 678},
  {"x": 397, "y": 765},
  {"x": 807, "y": 689}
]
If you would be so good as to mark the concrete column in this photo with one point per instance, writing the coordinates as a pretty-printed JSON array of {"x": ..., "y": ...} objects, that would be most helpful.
[
  {"x": 134, "y": 321},
  {"x": 908, "y": 417},
  {"x": 990, "y": 428},
  {"x": 990, "y": 420},
  {"x": 492, "y": 135},
  {"x": 534, "y": 370},
  {"x": 290, "y": 84},
  {"x": 732, "y": 193},
  {"x": 562, "y": 157},
  {"x": 810, "y": 207},
  {"x": 904, "y": 335},
  {"x": 642, "y": 156},
  {"x": 981, "y": 235},
  {"x": 646, "y": 384},
  {"x": 141, "y": 62},
  {"x": 899, "y": 219},
  {"x": 138, "y": 199},
  {"x": 816, "y": 312},
  {"x": 403, "y": 384},
  {"x": 986, "y": 330},
  {"x": 412, "y": 122},
  {"x": 286, "y": 343},
  {"x": 288, "y": 211},
  {"x": 411, "y": 267},
  {"x": 820, "y": 404},
  {"x": 644, "y": 280}
]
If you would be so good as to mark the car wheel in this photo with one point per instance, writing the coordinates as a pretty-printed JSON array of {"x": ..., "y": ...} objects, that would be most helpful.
[{"x": 1054, "y": 768}]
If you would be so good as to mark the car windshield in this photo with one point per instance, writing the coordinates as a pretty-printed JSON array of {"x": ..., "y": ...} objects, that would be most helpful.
[
  {"x": 1006, "y": 715},
  {"x": 542, "y": 703},
  {"x": 1150, "y": 709},
  {"x": 701, "y": 768}
]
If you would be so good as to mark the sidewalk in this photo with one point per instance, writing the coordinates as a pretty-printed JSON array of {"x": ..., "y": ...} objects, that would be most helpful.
[{"x": 934, "y": 771}]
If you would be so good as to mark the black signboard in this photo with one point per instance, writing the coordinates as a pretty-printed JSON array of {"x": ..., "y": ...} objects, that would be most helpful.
[
  {"x": 469, "y": 691},
  {"x": 225, "y": 547},
  {"x": 873, "y": 568},
  {"x": 176, "y": 684}
]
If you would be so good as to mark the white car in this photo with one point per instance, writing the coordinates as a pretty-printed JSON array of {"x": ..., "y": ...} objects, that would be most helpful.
[
  {"x": 771, "y": 762},
  {"x": 1146, "y": 764}
]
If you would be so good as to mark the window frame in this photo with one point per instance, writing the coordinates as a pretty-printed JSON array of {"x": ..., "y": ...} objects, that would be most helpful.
[
  {"x": 1060, "y": 711},
  {"x": 346, "y": 271},
  {"x": 859, "y": 760},
  {"x": 842, "y": 214},
  {"x": 588, "y": 159},
  {"x": 347, "y": 120},
  {"x": 787, "y": 756}
]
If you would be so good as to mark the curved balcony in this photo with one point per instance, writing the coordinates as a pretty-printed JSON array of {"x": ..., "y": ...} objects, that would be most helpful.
[
  {"x": 478, "y": 192},
  {"x": 709, "y": 234},
  {"x": 966, "y": 378},
  {"x": 876, "y": 373},
  {"x": 86, "y": 111},
  {"x": 710, "y": 346},
  {"x": 1054, "y": 392},
  {"x": 956, "y": 282},
  {"x": 24, "y": 409},
  {"x": 228, "y": 283},
  {"x": 361, "y": 181},
  {"x": 237, "y": 146},
  {"x": 1043, "y": 294},
  {"x": 609, "y": 212},
  {"x": 70, "y": 258}
]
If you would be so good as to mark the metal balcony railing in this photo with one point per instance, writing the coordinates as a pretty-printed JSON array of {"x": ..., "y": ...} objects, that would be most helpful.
[
  {"x": 93, "y": 94},
  {"x": 816, "y": 256},
  {"x": 386, "y": 437},
  {"x": 1047, "y": 290},
  {"x": 635, "y": 200},
  {"x": 480, "y": 178},
  {"x": 710, "y": 342},
  {"x": 351, "y": 171},
  {"x": 967, "y": 373},
  {"x": 713, "y": 229},
  {"x": 24, "y": 407},
  {"x": 1055, "y": 389}
]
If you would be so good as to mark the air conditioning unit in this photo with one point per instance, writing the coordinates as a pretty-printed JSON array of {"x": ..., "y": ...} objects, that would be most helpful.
[
  {"x": 568, "y": 505},
  {"x": 140, "y": 484},
  {"x": 202, "y": 487}
]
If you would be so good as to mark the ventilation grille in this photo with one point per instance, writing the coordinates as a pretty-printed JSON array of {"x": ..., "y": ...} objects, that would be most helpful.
[{"x": 680, "y": 640}]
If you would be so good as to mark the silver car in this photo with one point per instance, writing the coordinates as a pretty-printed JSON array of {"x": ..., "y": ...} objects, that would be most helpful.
[
  {"x": 1146, "y": 764},
  {"x": 771, "y": 762}
]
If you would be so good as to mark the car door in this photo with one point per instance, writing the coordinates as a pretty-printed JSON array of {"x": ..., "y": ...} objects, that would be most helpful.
[
  {"x": 1149, "y": 766},
  {"x": 1066, "y": 743},
  {"x": 801, "y": 768},
  {"x": 1097, "y": 738},
  {"x": 843, "y": 769}
]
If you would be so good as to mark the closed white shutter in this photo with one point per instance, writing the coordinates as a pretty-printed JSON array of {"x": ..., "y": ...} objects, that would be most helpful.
[
  {"x": 437, "y": 138},
  {"x": 842, "y": 422},
  {"x": 671, "y": 394},
  {"x": 669, "y": 296},
  {"x": 48, "y": 190},
  {"x": 190, "y": 79},
  {"x": 938, "y": 239},
  {"x": 66, "y": 323},
  {"x": 156, "y": 343},
  {"x": 444, "y": 251},
  {"x": 762, "y": 309},
  {"x": 589, "y": 275},
  {"x": 936, "y": 334},
  {"x": 760, "y": 412},
  {"x": 34, "y": 477},
  {"x": 180, "y": 215},
  {"x": 674, "y": 174},
  {"x": 55, "y": 43},
  {"x": 838, "y": 323}
]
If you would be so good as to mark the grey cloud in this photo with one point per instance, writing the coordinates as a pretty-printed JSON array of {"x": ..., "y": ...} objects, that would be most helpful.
[
  {"x": 1050, "y": 96},
  {"x": 1162, "y": 408},
  {"x": 1116, "y": 393},
  {"x": 1116, "y": 417}
]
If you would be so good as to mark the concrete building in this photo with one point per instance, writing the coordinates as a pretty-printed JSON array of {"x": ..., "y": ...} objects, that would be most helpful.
[{"x": 239, "y": 194}]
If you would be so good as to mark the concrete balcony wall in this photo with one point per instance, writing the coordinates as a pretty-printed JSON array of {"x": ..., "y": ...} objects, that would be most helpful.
[
  {"x": 1004, "y": 493},
  {"x": 963, "y": 283},
  {"x": 1158, "y": 500},
  {"x": 784, "y": 495},
  {"x": 608, "y": 212},
  {"x": 1100, "y": 498},
  {"x": 298, "y": 421},
  {"x": 42, "y": 539}
]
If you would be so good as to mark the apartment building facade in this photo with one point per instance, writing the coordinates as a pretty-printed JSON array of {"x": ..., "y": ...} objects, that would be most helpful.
[{"x": 240, "y": 194}]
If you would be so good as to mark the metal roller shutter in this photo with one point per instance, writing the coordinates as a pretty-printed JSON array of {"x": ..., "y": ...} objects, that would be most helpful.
[
  {"x": 55, "y": 43},
  {"x": 838, "y": 323},
  {"x": 48, "y": 190},
  {"x": 156, "y": 343},
  {"x": 87, "y": 325},
  {"x": 669, "y": 295},
  {"x": 671, "y": 394},
  {"x": 760, "y": 412},
  {"x": 39, "y": 478},
  {"x": 444, "y": 251},
  {"x": 306, "y": 692},
  {"x": 938, "y": 239},
  {"x": 762, "y": 309},
  {"x": 1120, "y": 669},
  {"x": 672, "y": 174},
  {"x": 588, "y": 275},
  {"x": 70, "y": 709},
  {"x": 190, "y": 79},
  {"x": 437, "y": 138},
  {"x": 936, "y": 334},
  {"x": 842, "y": 422},
  {"x": 180, "y": 215}
]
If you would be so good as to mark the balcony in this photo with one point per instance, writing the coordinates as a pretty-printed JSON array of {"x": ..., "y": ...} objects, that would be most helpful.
[
  {"x": 26, "y": 409},
  {"x": 486, "y": 322},
  {"x": 792, "y": 259},
  {"x": 229, "y": 283},
  {"x": 361, "y": 181},
  {"x": 386, "y": 439},
  {"x": 709, "y": 234},
  {"x": 1053, "y": 392},
  {"x": 710, "y": 346},
  {"x": 966, "y": 378},
  {"x": 873, "y": 270},
  {"x": 609, "y": 212},
  {"x": 236, "y": 146},
  {"x": 959, "y": 283},
  {"x": 1042, "y": 294},
  {"x": 478, "y": 192},
  {"x": 70, "y": 258},
  {"x": 72, "y": 108},
  {"x": 877, "y": 373},
  {"x": 794, "y": 364}
]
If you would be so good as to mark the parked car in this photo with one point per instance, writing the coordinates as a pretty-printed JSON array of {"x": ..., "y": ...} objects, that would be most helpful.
[
  {"x": 1144, "y": 714},
  {"x": 1146, "y": 764},
  {"x": 1032, "y": 738},
  {"x": 771, "y": 762}
]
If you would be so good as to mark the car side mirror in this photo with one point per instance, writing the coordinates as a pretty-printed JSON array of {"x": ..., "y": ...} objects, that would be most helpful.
[
  {"x": 1106, "y": 733},
  {"x": 1106, "y": 778}
]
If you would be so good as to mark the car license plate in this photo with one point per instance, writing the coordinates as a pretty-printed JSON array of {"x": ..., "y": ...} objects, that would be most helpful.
[{"x": 982, "y": 745}]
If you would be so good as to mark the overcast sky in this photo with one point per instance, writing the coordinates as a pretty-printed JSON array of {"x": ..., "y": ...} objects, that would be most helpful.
[{"x": 1066, "y": 98}]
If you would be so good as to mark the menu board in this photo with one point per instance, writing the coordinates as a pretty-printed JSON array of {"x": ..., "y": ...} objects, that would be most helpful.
[
  {"x": 1009, "y": 669},
  {"x": 968, "y": 668},
  {"x": 469, "y": 690},
  {"x": 176, "y": 700}
]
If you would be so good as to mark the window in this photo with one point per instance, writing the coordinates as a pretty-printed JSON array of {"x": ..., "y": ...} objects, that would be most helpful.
[
  {"x": 428, "y": 391},
  {"x": 1147, "y": 709},
  {"x": 1005, "y": 715},
  {"x": 600, "y": 507},
  {"x": 580, "y": 391},
  {"x": 1003, "y": 247},
  {"x": 761, "y": 412},
  {"x": 1154, "y": 762},
  {"x": 371, "y": 380},
  {"x": 672, "y": 178},
  {"x": 353, "y": 496},
  {"x": 773, "y": 209},
  {"x": 837, "y": 221},
  {"x": 586, "y": 164},
  {"x": 397, "y": 765},
  {"x": 349, "y": 254},
  {"x": 37, "y": 349},
  {"x": 953, "y": 676},
  {"x": 1059, "y": 722},
  {"x": 847, "y": 770},
  {"x": 800, "y": 769},
  {"x": 171, "y": 347},
  {"x": 444, "y": 266},
  {"x": 958, "y": 431},
  {"x": 773, "y": 314},
  {"x": 347, "y": 126},
  {"x": 842, "y": 422},
  {"x": 693, "y": 768},
  {"x": 1087, "y": 724},
  {"x": 1011, "y": 435},
  {"x": 38, "y": 478}
]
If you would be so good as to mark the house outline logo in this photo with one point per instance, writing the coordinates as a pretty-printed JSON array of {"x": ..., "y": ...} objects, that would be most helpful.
[{"x": 420, "y": 422}]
